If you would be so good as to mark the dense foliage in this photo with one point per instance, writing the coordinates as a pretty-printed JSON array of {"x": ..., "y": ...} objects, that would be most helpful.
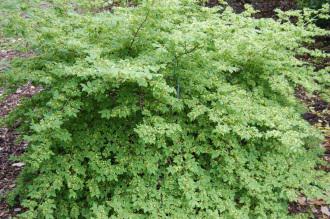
[{"x": 164, "y": 110}]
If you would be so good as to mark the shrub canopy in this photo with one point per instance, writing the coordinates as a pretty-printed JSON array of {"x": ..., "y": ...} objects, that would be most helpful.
[{"x": 164, "y": 110}]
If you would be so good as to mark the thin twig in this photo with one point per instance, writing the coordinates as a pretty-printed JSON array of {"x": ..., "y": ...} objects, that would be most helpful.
[{"x": 138, "y": 30}]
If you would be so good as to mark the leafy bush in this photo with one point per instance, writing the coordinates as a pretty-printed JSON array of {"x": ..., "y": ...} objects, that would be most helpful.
[{"x": 165, "y": 110}]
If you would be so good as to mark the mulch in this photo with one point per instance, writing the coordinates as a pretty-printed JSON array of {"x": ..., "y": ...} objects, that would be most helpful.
[{"x": 9, "y": 169}]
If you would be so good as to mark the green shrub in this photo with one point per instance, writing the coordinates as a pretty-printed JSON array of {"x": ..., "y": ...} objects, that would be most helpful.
[{"x": 165, "y": 110}]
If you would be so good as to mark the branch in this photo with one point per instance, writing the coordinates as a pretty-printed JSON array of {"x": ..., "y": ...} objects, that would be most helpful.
[{"x": 138, "y": 30}]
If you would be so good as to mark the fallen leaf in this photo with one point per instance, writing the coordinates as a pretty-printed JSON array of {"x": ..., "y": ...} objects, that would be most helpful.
[
  {"x": 325, "y": 210},
  {"x": 18, "y": 164}
]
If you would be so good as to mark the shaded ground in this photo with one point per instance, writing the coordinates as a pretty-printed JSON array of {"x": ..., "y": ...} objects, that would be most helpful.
[{"x": 9, "y": 170}]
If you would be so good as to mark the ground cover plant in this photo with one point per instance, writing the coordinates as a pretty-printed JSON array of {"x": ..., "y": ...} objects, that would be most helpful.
[{"x": 165, "y": 109}]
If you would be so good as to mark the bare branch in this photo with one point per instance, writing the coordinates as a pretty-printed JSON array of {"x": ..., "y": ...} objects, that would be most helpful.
[{"x": 138, "y": 30}]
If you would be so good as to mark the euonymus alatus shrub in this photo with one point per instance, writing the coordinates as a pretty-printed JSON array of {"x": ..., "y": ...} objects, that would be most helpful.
[{"x": 165, "y": 110}]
